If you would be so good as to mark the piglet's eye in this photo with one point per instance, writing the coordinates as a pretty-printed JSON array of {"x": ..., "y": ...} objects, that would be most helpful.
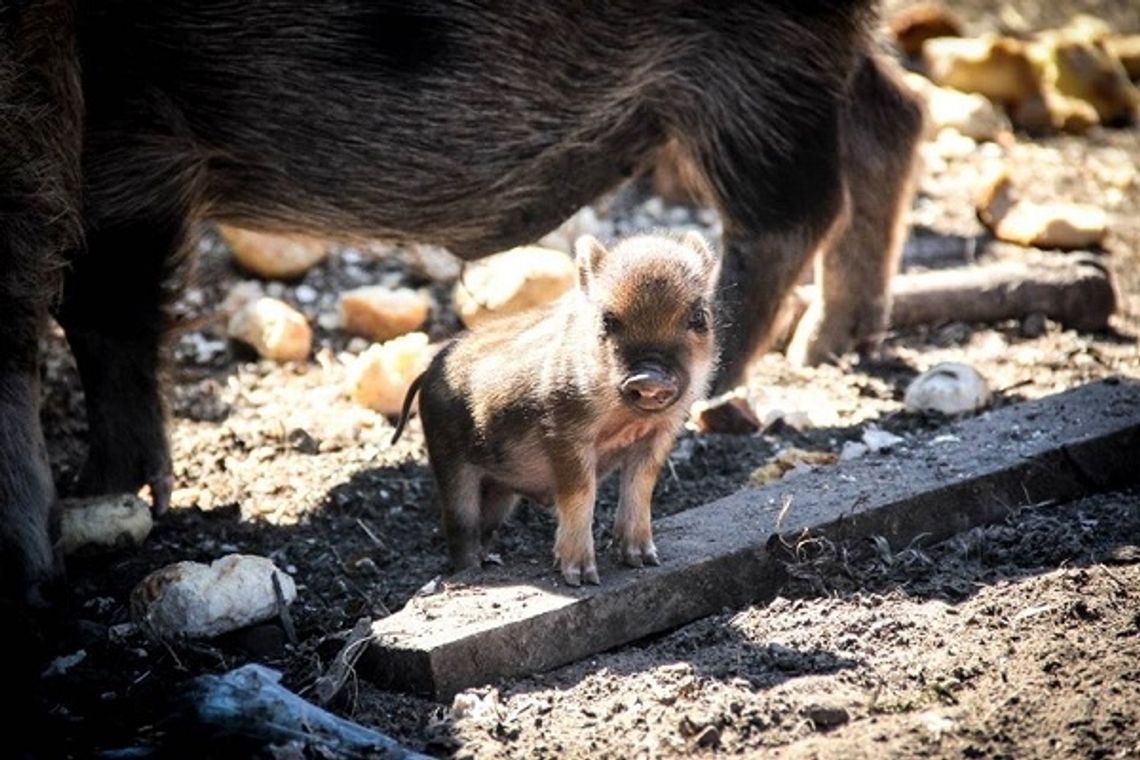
[
  {"x": 611, "y": 325},
  {"x": 699, "y": 320}
]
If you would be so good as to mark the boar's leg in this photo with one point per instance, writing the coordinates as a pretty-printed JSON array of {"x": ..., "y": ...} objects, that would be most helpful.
[
  {"x": 881, "y": 128},
  {"x": 632, "y": 526},
  {"x": 777, "y": 183},
  {"x": 459, "y": 493},
  {"x": 39, "y": 220},
  {"x": 575, "y": 490},
  {"x": 114, "y": 315}
]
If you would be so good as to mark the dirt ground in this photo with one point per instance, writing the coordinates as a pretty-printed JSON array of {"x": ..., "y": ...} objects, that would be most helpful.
[{"x": 1015, "y": 640}]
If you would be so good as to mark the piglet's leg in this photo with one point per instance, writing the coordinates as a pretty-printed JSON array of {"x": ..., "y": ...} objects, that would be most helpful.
[
  {"x": 632, "y": 522},
  {"x": 575, "y": 491},
  {"x": 497, "y": 504},
  {"x": 460, "y": 507}
]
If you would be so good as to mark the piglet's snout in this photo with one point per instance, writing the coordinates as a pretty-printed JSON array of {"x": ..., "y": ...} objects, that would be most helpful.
[{"x": 650, "y": 388}]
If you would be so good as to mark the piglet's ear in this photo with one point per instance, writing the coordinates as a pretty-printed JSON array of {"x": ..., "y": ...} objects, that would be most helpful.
[
  {"x": 709, "y": 260},
  {"x": 589, "y": 255}
]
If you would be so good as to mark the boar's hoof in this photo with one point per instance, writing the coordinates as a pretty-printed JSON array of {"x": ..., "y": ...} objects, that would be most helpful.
[
  {"x": 103, "y": 475},
  {"x": 821, "y": 339}
]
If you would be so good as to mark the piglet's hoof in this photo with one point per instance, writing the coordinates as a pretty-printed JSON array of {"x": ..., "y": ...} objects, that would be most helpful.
[
  {"x": 639, "y": 554},
  {"x": 576, "y": 573}
]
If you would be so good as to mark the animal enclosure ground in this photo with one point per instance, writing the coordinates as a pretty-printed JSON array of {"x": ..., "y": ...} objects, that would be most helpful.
[{"x": 1020, "y": 639}]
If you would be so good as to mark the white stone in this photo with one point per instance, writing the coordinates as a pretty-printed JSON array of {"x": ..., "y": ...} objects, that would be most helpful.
[
  {"x": 241, "y": 295},
  {"x": 105, "y": 522},
  {"x": 1065, "y": 226},
  {"x": 273, "y": 328},
  {"x": 380, "y": 313},
  {"x": 194, "y": 600},
  {"x": 949, "y": 388},
  {"x": 60, "y": 665},
  {"x": 969, "y": 113},
  {"x": 379, "y": 378},
  {"x": 432, "y": 263},
  {"x": 512, "y": 281},
  {"x": 878, "y": 440}
]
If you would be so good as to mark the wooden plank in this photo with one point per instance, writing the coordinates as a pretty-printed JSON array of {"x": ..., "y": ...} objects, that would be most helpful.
[{"x": 521, "y": 620}]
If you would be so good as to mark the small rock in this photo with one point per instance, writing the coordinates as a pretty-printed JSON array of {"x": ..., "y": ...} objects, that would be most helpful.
[
  {"x": 997, "y": 67},
  {"x": 475, "y": 705},
  {"x": 106, "y": 522},
  {"x": 273, "y": 328},
  {"x": 273, "y": 257},
  {"x": 432, "y": 263},
  {"x": 306, "y": 294},
  {"x": 380, "y": 313},
  {"x": 512, "y": 281},
  {"x": 913, "y": 26},
  {"x": 877, "y": 440},
  {"x": 950, "y": 388},
  {"x": 708, "y": 738},
  {"x": 971, "y": 114},
  {"x": 777, "y": 421},
  {"x": 853, "y": 450},
  {"x": 937, "y": 725},
  {"x": 1082, "y": 82},
  {"x": 1126, "y": 49},
  {"x": 60, "y": 665},
  {"x": 380, "y": 377},
  {"x": 1125, "y": 554},
  {"x": 728, "y": 413},
  {"x": 995, "y": 198},
  {"x": 826, "y": 716},
  {"x": 241, "y": 295},
  {"x": 787, "y": 462},
  {"x": 193, "y": 600},
  {"x": 1034, "y": 325},
  {"x": 1065, "y": 226},
  {"x": 300, "y": 441}
]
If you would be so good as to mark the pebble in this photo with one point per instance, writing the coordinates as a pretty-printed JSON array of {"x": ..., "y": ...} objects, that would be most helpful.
[
  {"x": 194, "y": 600},
  {"x": 913, "y": 26},
  {"x": 106, "y": 522},
  {"x": 1059, "y": 225},
  {"x": 997, "y": 67},
  {"x": 273, "y": 328},
  {"x": 273, "y": 257},
  {"x": 826, "y": 716},
  {"x": 972, "y": 115},
  {"x": 380, "y": 313},
  {"x": 950, "y": 388},
  {"x": 512, "y": 281},
  {"x": 380, "y": 377}
]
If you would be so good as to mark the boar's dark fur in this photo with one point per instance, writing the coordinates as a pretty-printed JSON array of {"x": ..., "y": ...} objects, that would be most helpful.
[{"x": 473, "y": 125}]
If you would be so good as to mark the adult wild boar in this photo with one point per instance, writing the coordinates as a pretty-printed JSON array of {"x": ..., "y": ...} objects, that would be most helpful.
[{"x": 475, "y": 125}]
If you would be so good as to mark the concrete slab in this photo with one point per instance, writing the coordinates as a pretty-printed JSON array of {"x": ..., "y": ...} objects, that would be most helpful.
[{"x": 522, "y": 620}]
